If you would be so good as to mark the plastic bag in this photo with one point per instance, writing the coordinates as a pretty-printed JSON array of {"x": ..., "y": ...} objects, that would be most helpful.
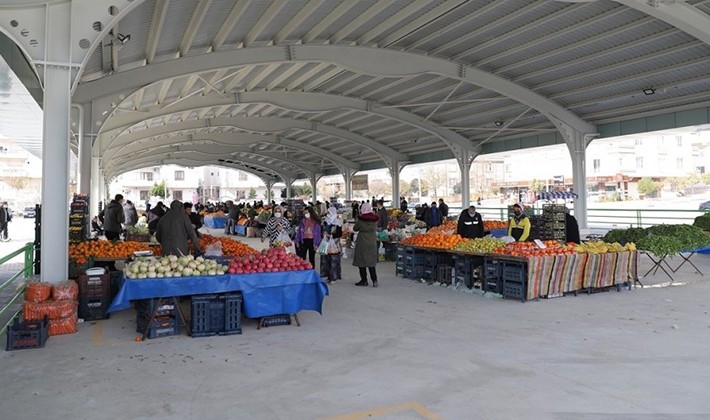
[
  {"x": 323, "y": 248},
  {"x": 381, "y": 253},
  {"x": 333, "y": 247},
  {"x": 214, "y": 249},
  {"x": 282, "y": 239},
  {"x": 65, "y": 290},
  {"x": 54, "y": 309},
  {"x": 38, "y": 291},
  {"x": 66, "y": 325}
]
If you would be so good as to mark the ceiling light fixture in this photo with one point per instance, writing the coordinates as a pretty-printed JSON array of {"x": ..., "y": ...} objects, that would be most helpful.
[
  {"x": 123, "y": 39},
  {"x": 498, "y": 123},
  {"x": 649, "y": 91}
]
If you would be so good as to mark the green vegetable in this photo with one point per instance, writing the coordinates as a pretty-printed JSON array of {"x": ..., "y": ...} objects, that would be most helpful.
[
  {"x": 702, "y": 222},
  {"x": 660, "y": 245},
  {"x": 625, "y": 235}
]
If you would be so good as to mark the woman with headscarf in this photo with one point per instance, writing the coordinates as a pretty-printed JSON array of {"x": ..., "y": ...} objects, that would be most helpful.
[
  {"x": 330, "y": 261},
  {"x": 308, "y": 235},
  {"x": 275, "y": 225},
  {"x": 365, "y": 257}
]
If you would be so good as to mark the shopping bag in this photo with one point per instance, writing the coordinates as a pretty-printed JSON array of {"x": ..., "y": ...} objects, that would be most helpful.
[
  {"x": 283, "y": 239},
  {"x": 214, "y": 249},
  {"x": 333, "y": 247},
  {"x": 323, "y": 248}
]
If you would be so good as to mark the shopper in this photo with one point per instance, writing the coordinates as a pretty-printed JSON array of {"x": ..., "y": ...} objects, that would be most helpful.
[
  {"x": 571, "y": 228},
  {"x": 403, "y": 205},
  {"x": 432, "y": 216},
  {"x": 130, "y": 214},
  {"x": 308, "y": 235},
  {"x": 519, "y": 224},
  {"x": 5, "y": 219},
  {"x": 232, "y": 217},
  {"x": 330, "y": 261},
  {"x": 274, "y": 226},
  {"x": 470, "y": 224},
  {"x": 195, "y": 219},
  {"x": 173, "y": 231},
  {"x": 443, "y": 210},
  {"x": 382, "y": 215},
  {"x": 114, "y": 218},
  {"x": 154, "y": 216},
  {"x": 365, "y": 257}
]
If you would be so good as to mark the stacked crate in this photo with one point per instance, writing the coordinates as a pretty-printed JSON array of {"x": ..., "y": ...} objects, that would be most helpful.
[
  {"x": 157, "y": 317},
  {"x": 216, "y": 314},
  {"x": 514, "y": 276},
  {"x": 414, "y": 263},
  {"x": 78, "y": 218},
  {"x": 463, "y": 270},
  {"x": 399, "y": 260},
  {"x": 94, "y": 295},
  {"x": 491, "y": 279},
  {"x": 552, "y": 224}
]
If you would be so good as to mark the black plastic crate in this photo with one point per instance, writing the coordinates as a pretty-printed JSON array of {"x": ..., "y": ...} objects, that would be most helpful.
[
  {"x": 444, "y": 274},
  {"x": 513, "y": 274},
  {"x": 145, "y": 307},
  {"x": 93, "y": 308},
  {"x": 161, "y": 326},
  {"x": 494, "y": 285},
  {"x": 514, "y": 290},
  {"x": 94, "y": 286},
  {"x": 27, "y": 335},
  {"x": 413, "y": 272},
  {"x": 441, "y": 258},
  {"x": 275, "y": 320},
  {"x": 429, "y": 273},
  {"x": 216, "y": 314}
]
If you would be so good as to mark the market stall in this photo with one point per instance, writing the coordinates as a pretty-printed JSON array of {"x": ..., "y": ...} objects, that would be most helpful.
[{"x": 215, "y": 222}]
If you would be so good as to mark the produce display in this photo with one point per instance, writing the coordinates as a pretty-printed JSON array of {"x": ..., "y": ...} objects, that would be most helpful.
[
  {"x": 447, "y": 226},
  {"x": 230, "y": 247},
  {"x": 479, "y": 245},
  {"x": 702, "y": 222},
  {"x": 494, "y": 224},
  {"x": 267, "y": 261},
  {"x": 434, "y": 240},
  {"x": 601, "y": 247},
  {"x": 662, "y": 240},
  {"x": 172, "y": 266},
  {"x": 82, "y": 251},
  {"x": 530, "y": 249}
]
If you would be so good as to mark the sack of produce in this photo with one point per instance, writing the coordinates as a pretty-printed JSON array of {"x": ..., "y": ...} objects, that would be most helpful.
[
  {"x": 38, "y": 291},
  {"x": 66, "y": 325},
  {"x": 65, "y": 290}
]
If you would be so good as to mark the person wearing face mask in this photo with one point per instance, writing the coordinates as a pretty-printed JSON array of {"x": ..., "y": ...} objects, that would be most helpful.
[
  {"x": 5, "y": 218},
  {"x": 519, "y": 224},
  {"x": 470, "y": 223},
  {"x": 308, "y": 235},
  {"x": 113, "y": 218},
  {"x": 276, "y": 224}
]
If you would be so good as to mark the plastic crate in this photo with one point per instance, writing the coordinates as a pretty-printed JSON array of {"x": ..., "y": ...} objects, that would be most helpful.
[
  {"x": 93, "y": 308},
  {"x": 414, "y": 272},
  {"x": 275, "y": 320},
  {"x": 429, "y": 273},
  {"x": 514, "y": 290},
  {"x": 399, "y": 269},
  {"x": 513, "y": 275},
  {"x": 27, "y": 335},
  {"x": 216, "y": 314},
  {"x": 145, "y": 308},
  {"x": 494, "y": 285},
  {"x": 94, "y": 286},
  {"x": 444, "y": 274},
  {"x": 162, "y": 326},
  {"x": 390, "y": 252}
]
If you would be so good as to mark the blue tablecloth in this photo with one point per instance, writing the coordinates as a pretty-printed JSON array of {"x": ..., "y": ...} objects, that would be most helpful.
[
  {"x": 499, "y": 233},
  {"x": 215, "y": 222},
  {"x": 264, "y": 294},
  {"x": 240, "y": 230}
]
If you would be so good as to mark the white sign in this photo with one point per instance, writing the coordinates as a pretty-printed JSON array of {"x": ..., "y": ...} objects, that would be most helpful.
[{"x": 359, "y": 183}]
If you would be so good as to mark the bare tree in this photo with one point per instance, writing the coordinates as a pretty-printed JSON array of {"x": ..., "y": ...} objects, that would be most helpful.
[
  {"x": 437, "y": 179},
  {"x": 18, "y": 182},
  {"x": 380, "y": 188}
]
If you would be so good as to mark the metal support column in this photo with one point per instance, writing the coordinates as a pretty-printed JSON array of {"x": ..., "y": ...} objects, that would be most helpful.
[
  {"x": 95, "y": 194},
  {"x": 289, "y": 183},
  {"x": 465, "y": 160},
  {"x": 348, "y": 179},
  {"x": 394, "y": 172},
  {"x": 55, "y": 145},
  {"x": 84, "y": 184},
  {"x": 269, "y": 186}
]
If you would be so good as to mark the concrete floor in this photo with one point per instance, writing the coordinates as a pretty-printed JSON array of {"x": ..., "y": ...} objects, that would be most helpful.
[{"x": 405, "y": 350}]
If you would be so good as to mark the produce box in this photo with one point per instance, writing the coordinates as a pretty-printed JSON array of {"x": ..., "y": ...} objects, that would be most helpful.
[
  {"x": 94, "y": 286},
  {"x": 216, "y": 314},
  {"x": 162, "y": 326},
  {"x": 27, "y": 335},
  {"x": 94, "y": 308},
  {"x": 137, "y": 237}
]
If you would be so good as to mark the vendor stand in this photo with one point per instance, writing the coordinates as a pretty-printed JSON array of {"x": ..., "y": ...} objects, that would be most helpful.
[{"x": 215, "y": 222}]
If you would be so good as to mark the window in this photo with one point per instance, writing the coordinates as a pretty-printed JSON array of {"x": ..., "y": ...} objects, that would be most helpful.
[
  {"x": 179, "y": 175},
  {"x": 597, "y": 165},
  {"x": 639, "y": 162},
  {"x": 679, "y": 163},
  {"x": 177, "y": 195},
  {"x": 146, "y": 176},
  {"x": 242, "y": 176},
  {"x": 143, "y": 194}
]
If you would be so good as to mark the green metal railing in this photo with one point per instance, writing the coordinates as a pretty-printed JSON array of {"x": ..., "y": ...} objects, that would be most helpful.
[{"x": 26, "y": 270}]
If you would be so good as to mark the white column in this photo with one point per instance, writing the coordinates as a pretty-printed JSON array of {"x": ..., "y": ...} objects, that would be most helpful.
[
  {"x": 95, "y": 195},
  {"x": 289, "y": 183},
  {"x": 84, "y": 183},
  {"x": 348, "y": 178},
  {"x": 465, "y": 160},
  {"x": 577, "y": 146},
  {"x": 394, "y": 172},
  {"x": 55, "y": 146},
  {"x": 314, "y": 182},
  {"x": 269, "y": 186}
]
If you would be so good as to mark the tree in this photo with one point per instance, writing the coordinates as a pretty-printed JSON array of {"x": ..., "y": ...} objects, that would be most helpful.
[
  {"x": 405, "y": 188},
  {"x": 536, "y": 185},
  {"x": 456, "y": 189},
  {"x": 17, "y": 182},
  {"x": 200, "y": 187},
  {"x": 159, "y": 190},
  {"x": 705, "y": 178},
  {"x": 436, "y": 178},
  {"x": 648, "y": 186},
  {"x": 252, "y": 193},
  {"x": 380, "y": 188}
]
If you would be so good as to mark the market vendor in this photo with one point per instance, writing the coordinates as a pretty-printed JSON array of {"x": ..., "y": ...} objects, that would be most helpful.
[
  {"x": 470, "y": 224},
  {"x": 519, "y": 224},
  {"x": 173, "y": 231}
]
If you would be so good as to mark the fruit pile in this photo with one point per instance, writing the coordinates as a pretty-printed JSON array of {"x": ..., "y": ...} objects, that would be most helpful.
[
  {"x": 447, "y": 226},
  {"x": 172, "y": 266},
  {"x": 601, "y": 247},
  {"x": 269, "y": 260},
  {"x": 530, "y": 249},
  {"x": 478, "y": 245},
  {"x": 230, "y": 247},
  {"x": 82, "y": 251},
  {"x": 434, "y": 240},
  {"x": 494, "y": 224}
]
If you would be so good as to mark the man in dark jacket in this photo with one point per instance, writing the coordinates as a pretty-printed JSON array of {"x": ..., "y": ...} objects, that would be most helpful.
[
  {"x": 195, "y": 219},
  {"x": 382, "y": 214},
  {"x": 432, "y": 216},
  {"x": 403, "y": 205},
  {"x": 113, "y": 218},
  {"x": 470, "y": 223},
  {"x": 173, "y": 231},
  {"x": 443, "y": 210}
]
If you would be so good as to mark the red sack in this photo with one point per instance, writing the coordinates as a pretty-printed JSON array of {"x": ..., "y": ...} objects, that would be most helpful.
[
  {"x": 38, "y": 291},
  {"x": 66, "y": 325},
  {"x": 54, "y": 309},
  {"x": 66, "y": 290}
]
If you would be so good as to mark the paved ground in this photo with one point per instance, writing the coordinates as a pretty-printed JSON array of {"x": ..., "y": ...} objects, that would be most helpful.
[{"x": 403, "y": 351}]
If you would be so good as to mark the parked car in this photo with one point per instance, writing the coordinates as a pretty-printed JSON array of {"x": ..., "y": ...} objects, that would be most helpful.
[
  {"x": 704, "y": 206},
  {"x": 28, "y": 212}
]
